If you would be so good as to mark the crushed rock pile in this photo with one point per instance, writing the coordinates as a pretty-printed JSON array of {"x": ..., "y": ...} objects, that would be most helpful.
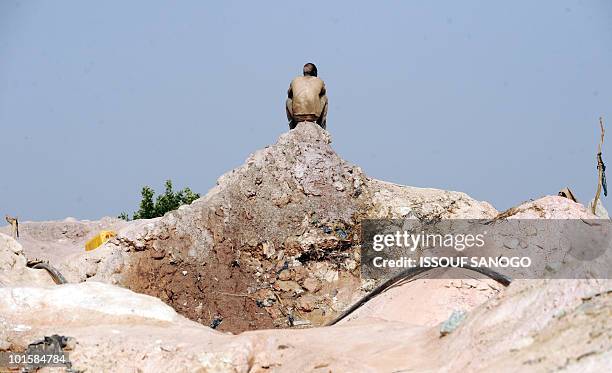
[{"x": 275, "y": 243}]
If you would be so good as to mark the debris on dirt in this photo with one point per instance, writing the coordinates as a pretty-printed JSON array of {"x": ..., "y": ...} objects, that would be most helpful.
[
  {"x": 216, "y": 321},
  {"x": 452, "y": 322}
]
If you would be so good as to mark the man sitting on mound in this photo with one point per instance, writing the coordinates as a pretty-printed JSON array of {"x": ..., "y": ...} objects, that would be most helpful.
[{"x": 306, "y": 100}]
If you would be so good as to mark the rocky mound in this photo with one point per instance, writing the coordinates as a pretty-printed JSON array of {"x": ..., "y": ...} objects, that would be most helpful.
[{"x": 274, "y": 244}]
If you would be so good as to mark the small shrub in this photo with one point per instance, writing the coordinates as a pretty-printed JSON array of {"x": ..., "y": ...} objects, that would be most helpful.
[{"x": 164, "y": 203}]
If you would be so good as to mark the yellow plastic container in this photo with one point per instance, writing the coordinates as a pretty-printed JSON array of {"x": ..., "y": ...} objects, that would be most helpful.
[{"x": 99, "y": 239}]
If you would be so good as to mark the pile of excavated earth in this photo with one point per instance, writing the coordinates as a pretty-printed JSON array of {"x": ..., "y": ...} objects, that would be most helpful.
[{"x": 244, "y": 278}]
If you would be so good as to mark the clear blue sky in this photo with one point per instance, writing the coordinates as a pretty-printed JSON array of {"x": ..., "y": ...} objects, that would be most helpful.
[{"x": 496, "y": 99}]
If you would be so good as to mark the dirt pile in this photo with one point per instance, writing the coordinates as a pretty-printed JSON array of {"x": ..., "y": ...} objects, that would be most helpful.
[{"x": 275, "y": 243}]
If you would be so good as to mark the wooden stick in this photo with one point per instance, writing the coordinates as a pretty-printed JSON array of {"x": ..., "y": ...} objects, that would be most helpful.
[{"x": 600, "y": 168}]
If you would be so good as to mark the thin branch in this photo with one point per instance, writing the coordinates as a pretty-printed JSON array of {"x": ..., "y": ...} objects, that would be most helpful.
[{"x": 601, "y": 176}]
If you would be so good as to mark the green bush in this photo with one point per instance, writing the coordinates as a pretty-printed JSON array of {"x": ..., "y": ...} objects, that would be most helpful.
[{"x": 168, "y": 201}]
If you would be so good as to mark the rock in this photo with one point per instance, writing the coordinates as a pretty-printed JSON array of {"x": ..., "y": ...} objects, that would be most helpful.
[
  {"x": 291, "y": 287},
  {"x": 5, "y": 345},
  {"x": 70, "y": 344},
  {"x": 77, "y": 302},
  {"x": 307, "y": 303},
  {"x": 13, "y": 269},
  {"x": 157, "y": 254},
  {"x": 284, "y": 275},
  {"x": 301, "y": 323},
  {"x": 300, "y": 273},
  {"x": 312, "y": 284},
  {"x": 268, "y": 250},
  {"x": 9, "y": 244}
]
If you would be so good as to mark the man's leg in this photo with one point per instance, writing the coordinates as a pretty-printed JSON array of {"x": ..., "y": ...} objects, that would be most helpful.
[
  {"x": 289, "y": 110},
  {"x": 322, "y": 121}
]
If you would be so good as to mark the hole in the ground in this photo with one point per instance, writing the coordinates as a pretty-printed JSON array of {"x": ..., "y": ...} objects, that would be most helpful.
[{"x": 246, "y": 293}]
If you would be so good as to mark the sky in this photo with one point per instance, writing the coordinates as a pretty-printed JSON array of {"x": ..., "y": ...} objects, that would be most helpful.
[{"x": 496, "y": 99}]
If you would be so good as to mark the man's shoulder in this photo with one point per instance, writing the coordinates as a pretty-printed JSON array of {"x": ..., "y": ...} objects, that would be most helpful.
[{"x": 306, "y": 79}]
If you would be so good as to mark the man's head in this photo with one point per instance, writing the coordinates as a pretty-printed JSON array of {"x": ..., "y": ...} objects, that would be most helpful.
[{"x": 310, "y": 69}]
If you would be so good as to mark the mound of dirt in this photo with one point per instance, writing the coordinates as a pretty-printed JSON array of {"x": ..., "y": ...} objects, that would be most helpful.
[{"x": 276, "y": 242}]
